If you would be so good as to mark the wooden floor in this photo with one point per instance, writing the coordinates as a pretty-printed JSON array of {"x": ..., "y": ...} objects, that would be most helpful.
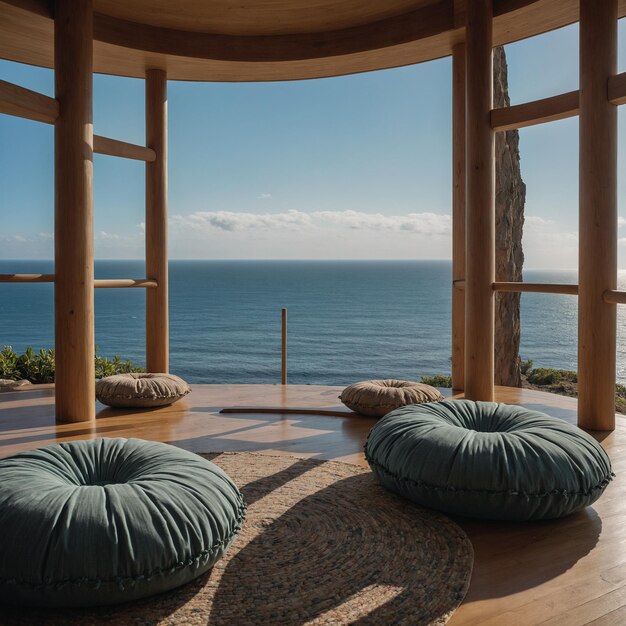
[{"x": 568, "y": 572}]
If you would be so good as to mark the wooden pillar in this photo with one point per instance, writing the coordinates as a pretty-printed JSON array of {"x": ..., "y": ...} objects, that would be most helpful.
[
  {"x": 157, "y": 318},
  {"x": 458, "y": 216},
  {"x": 480, "y": 210},
  {"x": 598, "y": 216},
  {"x": 73, "y": 238}
]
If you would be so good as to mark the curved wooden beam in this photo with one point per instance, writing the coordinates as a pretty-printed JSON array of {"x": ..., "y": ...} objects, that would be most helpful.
[{"x": 128, "y": 48}]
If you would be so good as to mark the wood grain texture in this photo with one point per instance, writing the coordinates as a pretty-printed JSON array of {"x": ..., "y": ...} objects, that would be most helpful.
[
  {"x": 26, "y": 278},
  {"x": 157, "y": 314},
  {"x": 114, "y": 147},
  {"x": 356, "y": 36},
  {"x": 257, "y": 17},
  {"x": 561, "y": 288},
  {"x": 570, "y": 571},
  {"x": 125, "y": 283},
  {"x": 458, "y": 215},
  {"x": 614, "y": 296},
  {"x": 617, "y": 88},
  {"x": 537, "y": 112},
  {"x": 480, "y": 208},
  {"x": 21, "y": 102},
  {"x": 106, "y": 283},
  {"x": 597, "y": 273},
  {"x": 73, "y": 233}
]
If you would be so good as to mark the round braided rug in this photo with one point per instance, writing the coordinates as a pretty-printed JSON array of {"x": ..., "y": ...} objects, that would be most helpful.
[{"x": 323, "y": 544}]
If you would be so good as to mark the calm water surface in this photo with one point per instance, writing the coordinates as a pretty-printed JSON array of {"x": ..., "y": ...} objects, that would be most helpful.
[{"x": 348, "y": 320}]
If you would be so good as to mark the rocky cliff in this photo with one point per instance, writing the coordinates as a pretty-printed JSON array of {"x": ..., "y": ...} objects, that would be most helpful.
[{"x": 510, "y": 199}]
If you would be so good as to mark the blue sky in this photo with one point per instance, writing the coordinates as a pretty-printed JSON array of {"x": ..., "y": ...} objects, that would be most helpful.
[{"x": 349, "y": 167}]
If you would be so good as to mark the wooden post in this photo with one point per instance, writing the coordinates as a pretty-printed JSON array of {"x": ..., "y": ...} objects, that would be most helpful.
[
  {"x": 598, "y": 216},
  {"x": 157, "y": 319},
  {"x": 480, "y": 213},
  {"x": 73, "y": 207},
  {"x": 284, "y": 348},
  {"x": 458, "y": 216}
]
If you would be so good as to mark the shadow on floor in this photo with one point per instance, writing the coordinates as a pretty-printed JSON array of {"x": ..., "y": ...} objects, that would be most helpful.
[{"x": 511, "y": 557}]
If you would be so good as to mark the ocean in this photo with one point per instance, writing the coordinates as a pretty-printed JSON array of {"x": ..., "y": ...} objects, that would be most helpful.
[{"x": 348, "y": 320}]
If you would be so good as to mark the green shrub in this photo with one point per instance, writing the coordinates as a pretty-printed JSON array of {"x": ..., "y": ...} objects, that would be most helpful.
[
  {"x": 526, "y": 366},
  {"x": 109, "y": 367},
  {"x": 38, "y": 367},
  {"x": 550, "y": 376},
  {"x": 438, "y": 380},
  {"x": 8, "y": 364}
]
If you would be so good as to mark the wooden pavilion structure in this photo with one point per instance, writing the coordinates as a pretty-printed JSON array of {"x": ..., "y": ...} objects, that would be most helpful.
[{"x": 297, "y": 39}]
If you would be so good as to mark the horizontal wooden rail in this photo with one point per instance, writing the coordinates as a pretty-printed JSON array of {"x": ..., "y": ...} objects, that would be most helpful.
[
  {"x": 26, "y": 278},
  {"x": 613, "y": 296},
  {"x": 114, "y": 147},
  {"x": 458, "y": 284},
  {"x": 22, "y": 102},
  {"x": 103, "y": 283},
  {"x": 562, "y": 288},
  {"x": 617, "y": 89},
  {"x": 536, "y": 112},
  {"x": 116, "y": 283}
]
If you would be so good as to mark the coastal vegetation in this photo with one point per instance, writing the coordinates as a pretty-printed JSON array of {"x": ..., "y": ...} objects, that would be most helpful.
[
  {"x": 552, "y": 380},
  {"x": 38, "y": 366}
]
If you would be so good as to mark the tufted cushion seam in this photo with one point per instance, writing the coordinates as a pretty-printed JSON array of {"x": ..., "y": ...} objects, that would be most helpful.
[{"x": 563, "y": 492}]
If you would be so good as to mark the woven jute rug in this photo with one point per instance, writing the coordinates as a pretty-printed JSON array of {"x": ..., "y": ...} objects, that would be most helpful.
[{"x": 322, "y": 544}]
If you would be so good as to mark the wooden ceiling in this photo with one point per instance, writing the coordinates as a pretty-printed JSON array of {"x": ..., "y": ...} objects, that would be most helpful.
[{"x": 260, "y": 40}]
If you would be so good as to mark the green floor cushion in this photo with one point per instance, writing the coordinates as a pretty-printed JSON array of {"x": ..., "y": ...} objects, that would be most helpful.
[
  {"x": 110, "y": 520},
  {"x": 140, "y": 390},
  {"x": 376, "y": 398},
  {"x": 487, "y": 460}
]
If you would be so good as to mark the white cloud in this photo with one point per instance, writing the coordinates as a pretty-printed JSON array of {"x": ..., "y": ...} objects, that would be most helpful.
[
  {"x": 264, "y": 196},
  {"x": 231, "y": 221},
  {"x": 420, "y": 223},
  {"x": 417, "y": 223},
  {"x": 621, "y": 221}
]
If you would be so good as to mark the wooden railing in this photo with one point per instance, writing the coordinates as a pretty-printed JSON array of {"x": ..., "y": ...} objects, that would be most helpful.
[{"x": 99, "y": 283}]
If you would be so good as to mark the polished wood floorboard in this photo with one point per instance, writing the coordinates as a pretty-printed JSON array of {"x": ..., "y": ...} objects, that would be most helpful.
[{"x": 571, "y": 571}]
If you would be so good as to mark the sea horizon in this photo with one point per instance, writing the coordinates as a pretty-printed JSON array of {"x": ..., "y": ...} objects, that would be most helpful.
[{"x": 349, "y": 319}]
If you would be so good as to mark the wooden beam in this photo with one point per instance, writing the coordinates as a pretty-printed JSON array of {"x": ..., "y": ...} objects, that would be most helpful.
[
  {"x": 283, "y": 377},
  {"x": 127, "y": 283},
  {"x": 458, "y": 215},
  {"x": 73, "y": 240},
  {"x": 26, "y": 278},
  {"x": 617, "y": 88},
  {"x": 597, "y": 216},
  {"x": 21, "y": 102},
  {"x": 560, "y": 288},
  {"x": 480, "y": 215},
  {"x": 536, "y": 112},
  {"x": 613, "y": 296},
  {"x": 114, "y": 147},
  {"x": 157, "y": 332},
  {"x": 106, "y": 283}
]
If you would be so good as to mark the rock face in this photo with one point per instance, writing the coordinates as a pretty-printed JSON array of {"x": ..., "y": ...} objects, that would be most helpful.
[{"x": 510, "y": 199}]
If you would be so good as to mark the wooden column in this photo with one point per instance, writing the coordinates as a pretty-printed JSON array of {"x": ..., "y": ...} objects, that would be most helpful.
[
  {"x": 480, "y": 211},
  {"x": 157, "y": 318},
  {"x": 458, "y": 216},
  {"x": 73, "y": 238},
  {"x": 598, "y": 216}
]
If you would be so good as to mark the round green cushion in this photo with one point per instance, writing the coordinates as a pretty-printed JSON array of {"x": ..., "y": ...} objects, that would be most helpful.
[
  {"x": 110, "y": 520},
  {"x": 487, "y": 460}
]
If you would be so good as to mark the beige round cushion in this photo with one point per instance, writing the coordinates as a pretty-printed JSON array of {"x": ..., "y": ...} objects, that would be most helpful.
[
  {"x": 378, "y": 397},
  {"x": 141, "y": 390}
]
